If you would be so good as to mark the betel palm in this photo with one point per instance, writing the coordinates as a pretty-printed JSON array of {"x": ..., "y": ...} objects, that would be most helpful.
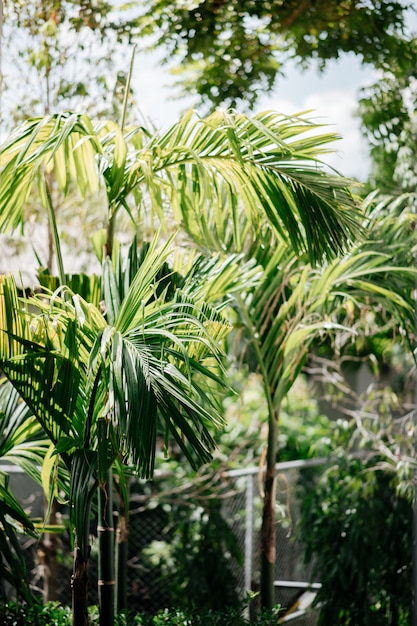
[
  {"x": 101, "y": 383},
  {"x": 295, "y": 304},
  {"x": 223, "y": 179}
]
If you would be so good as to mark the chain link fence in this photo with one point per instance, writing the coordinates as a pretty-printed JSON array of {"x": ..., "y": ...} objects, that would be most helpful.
[
  {"x": 179, "y": 536},
  {"x": 294, "y": 588}
]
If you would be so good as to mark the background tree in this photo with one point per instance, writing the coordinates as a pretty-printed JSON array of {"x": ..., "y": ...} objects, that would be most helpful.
[
  {"x": 60, "y": 55},
  {"x": 387, "y": 112},
  {"x": 41, "y": 41},
  {"x": 228, "y": 53},
  {"x": 231, "y": 52}
]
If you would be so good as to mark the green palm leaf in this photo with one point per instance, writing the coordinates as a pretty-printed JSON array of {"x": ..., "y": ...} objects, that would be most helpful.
[
  {"x": 74, "y": 368},
  {"x": 13, "y": 520},
  {"x": 295, "y": 304},
  {"x": 222, "y": 175},
  {"x": 22, "y": 442}
]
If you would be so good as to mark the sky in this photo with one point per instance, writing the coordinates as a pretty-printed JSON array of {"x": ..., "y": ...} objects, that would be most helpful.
[{"x": 332, "y": 97}]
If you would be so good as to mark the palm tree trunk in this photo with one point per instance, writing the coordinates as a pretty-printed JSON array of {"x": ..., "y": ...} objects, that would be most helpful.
[
  {"x": 47, "y": 553},
  {"x": 268, "y": 529},
  {"x": 79, "y": 586},
  {"x": 122, "y": 558},
  {"x": 122, "y": 543},
  {"x": 105, "y": 531}
]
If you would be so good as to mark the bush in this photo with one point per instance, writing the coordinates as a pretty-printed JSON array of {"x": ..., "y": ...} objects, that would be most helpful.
[
  {"x": 52, "y": 614},
  {"x": 358, "y": 531}
]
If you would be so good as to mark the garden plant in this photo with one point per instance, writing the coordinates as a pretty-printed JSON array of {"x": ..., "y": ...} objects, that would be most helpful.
[{"x": 108, "y": 370}]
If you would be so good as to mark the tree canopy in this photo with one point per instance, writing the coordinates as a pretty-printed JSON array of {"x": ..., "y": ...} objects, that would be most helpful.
[
  {"x": 225, "y": 52},
  {"x": 387, "y": 111},
  {"x": 232, "y": 51},
  {"x": 41, "y": 40}
]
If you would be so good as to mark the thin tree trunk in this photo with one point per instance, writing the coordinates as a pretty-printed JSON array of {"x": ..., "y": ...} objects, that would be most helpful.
[
  {"x": 79, "y": 586},
  {"x": 47, "y": 554},
  {"x": 268, "y": 529},
  {"x": 51, "y": 240},
  {"x": 122, "y": 543},
  {"x": 122, "y": 559},
  {"x": 105, "y": 532},
  {"x": 51, "y": 250},
  {"x": 108, "y": 246}
]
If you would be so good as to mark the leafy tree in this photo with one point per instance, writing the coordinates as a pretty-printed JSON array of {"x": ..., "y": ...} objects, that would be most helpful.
[
  {"x": 43, "y": 38},
  {"x": 230, "y": 52},
  {"x": 293, "y": 307},
  {"x": 387, "y": 112}
]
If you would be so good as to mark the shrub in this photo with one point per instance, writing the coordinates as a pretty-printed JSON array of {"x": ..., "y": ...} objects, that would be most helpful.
[
  {"x": 358, "y": 531},
  {"x": 52, "y": 614}
]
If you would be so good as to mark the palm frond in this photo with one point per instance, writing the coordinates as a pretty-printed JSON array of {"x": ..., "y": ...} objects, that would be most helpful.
[
  {"x": 13, "y": 520},
  {"x": 295, "y": 305},
  {"x": 222, "y": 176},
  {"x": 22, "y": 442},
  {"x": 39, "y": 361},
  {"x": 74, "y": 368}
]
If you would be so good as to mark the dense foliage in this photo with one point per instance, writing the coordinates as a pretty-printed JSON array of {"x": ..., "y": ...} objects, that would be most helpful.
[
  {"x": 387, "y": 111},
  {"x": 358, "y": 532},
  {"x": 110, "y": 386},
  {"x": 225, "y": 52},
  {"x": 198, "y": 169},
  {"x": 41, "y": 39},
  {"x": 54, "y": 615}
]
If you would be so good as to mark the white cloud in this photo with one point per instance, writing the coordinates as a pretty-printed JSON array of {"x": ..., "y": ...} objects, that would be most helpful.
[{"x": 337, "y": 108}]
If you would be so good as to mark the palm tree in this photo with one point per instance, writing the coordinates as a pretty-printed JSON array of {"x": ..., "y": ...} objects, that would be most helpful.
[
  {"x": 227, "y": 180},
  {"x": 294, "y": 305},
  {"x": 100, "y": 384}
]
